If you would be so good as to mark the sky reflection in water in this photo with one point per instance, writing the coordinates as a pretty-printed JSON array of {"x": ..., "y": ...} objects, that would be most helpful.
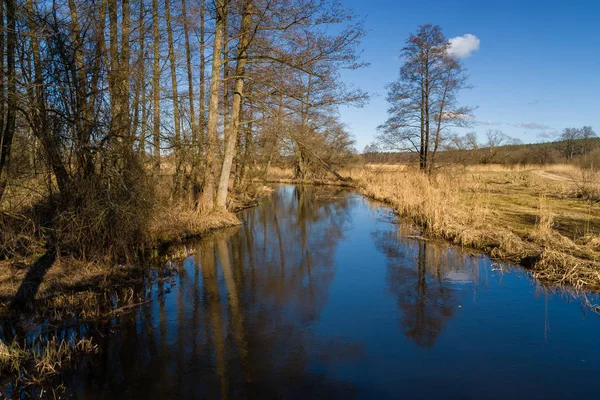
[{"x": 318, "y": 294}]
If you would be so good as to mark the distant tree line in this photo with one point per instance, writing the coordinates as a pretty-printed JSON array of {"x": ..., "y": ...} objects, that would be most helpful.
[{"x": 575, "y": 145}]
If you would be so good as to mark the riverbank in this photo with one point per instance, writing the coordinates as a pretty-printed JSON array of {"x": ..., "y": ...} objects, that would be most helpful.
[
  {"x": 545, "y": 218},
  {"x": 59, "y": 288},
  {"x": 55, "y": 281},
  {"x": 325, "y": 257},
  {"x": 64, "y": 284}
]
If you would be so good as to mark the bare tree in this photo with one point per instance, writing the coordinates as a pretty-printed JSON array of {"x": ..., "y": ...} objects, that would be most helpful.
[
  {"x": 156, "y": 85},
  {"x": 587, "y": 135},
  {"x": 569, "y": 145},
  {"x": 423, "y": 104},
  {"x": 139, "y": 101},
  {"x": 7, "y": 128},
  {"x": 207, "y": 200},
  {"x": 75, "y": 77},
  {"x": 495, "y": 146},
  {"x": 118, "y": 75},
  {"x": 190, "y": 76},
  {"x": 177, "y": 139},
  {"x": 232, "y": 130}
]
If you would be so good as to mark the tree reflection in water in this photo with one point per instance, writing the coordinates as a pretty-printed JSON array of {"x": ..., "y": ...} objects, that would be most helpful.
[
  {"x": 425, "y": 280},
  {"x": 302, "y": 301},
  {"x": 239, "y": 320}
]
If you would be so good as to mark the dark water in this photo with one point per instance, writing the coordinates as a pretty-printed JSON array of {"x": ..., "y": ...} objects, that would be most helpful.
[{"x": 318, "y": 295}]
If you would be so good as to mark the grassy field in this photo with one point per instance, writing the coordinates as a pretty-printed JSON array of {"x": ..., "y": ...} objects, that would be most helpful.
[{"x": 544, "y": 217}]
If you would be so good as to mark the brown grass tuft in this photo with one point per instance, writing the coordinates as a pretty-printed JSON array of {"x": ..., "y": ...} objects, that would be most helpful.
[{"x": 174, "y": 224}]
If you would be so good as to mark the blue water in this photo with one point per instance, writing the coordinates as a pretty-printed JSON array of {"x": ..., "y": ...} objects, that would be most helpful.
[{"x": 319, "y": 295}]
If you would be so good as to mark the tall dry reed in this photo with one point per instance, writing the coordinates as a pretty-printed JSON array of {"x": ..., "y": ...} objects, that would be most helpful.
[{"x": 451, "y": 206}]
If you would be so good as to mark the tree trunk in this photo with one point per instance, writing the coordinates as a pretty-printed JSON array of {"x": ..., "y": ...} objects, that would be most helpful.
[
  {"x": 207, "y": 200},
  {"x": 124, "y": 74},
  {"x": 422, "y": 130},
  {"x": 8, "y": 130},
  {"x": 438, "y": 129},
  {"x": 176, "y": 121},
  {"x": 156, "y": 86},
  {"x": 117, "y": 82},
  {"x": 190, "y": 76},
  {"x": 2, "y": 71},
  {"x": 202, "y": 105},
  {"x": 427, "y": 115},
  {"x": 82, "y": 112},
  {"x": 139, "y": 105},
  {"x": 244, "y": 167},
  {"x": 226, "y": 84},
  {"x": 245, "y": 156},
  {"x": 39, "y": 120},
  {"x": 234, "y": 124},
  {"x": 198, "y": 149}
]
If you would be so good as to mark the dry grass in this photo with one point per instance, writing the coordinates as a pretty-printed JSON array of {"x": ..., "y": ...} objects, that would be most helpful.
[
  {"x": 63, "y": 272},
  {"x": 71, "y": 288},
  {"x": 440, "y": 207},
  {"x": 177, "y": 223},
  {"x": 277, "y": 174},
  {"x": 536, "y": 215},
  {"x": 75, "y": 284},
  {"x": 36, "y": 364},
  {"x": 518, "y": 214},
  {"x": 568, "y": 169}
]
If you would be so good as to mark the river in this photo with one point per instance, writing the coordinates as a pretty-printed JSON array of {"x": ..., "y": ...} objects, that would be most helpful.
[{"x": 321, "y": 294}]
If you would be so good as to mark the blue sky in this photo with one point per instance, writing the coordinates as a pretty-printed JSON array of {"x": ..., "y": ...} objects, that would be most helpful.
[{"x": 536, "y": 72}]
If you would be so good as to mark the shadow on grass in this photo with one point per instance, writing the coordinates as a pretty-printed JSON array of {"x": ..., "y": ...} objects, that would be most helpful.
[{"x": 32, "y": 281}]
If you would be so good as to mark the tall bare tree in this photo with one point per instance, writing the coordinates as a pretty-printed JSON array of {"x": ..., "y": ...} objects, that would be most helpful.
[
  {"x": 232, "y": 128},
  {"x": 177, "y": 140},
  {"x": 423, "y": 100},
  {"x": 156, "y": 84},
  {"x": 190, "y": 76},
  {"x": 118, "y": 76},
  {"x": 7, "y": 128},
  {"x": 210, "y": 169},
  {"x": 139, "y": 101}
]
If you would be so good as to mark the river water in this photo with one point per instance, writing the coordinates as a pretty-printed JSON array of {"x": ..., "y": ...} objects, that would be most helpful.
[{"x": 319, "y": 295}]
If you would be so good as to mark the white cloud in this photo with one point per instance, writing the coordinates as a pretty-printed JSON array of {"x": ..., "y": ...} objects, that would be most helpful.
[
  {"x": 532, "y": 125},
  {"x": 449, "y": 115},
  {"x": 463, "y": 46}
]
